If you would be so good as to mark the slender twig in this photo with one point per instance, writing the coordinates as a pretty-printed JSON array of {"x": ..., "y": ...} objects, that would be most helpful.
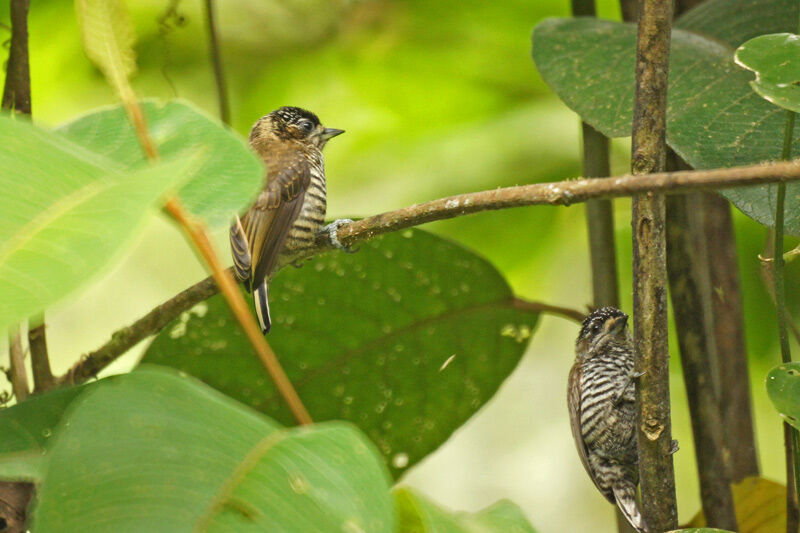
[
  {"x": 599, "y": 213},
  {"x": 728, "y": 335},
  {"x": 17, "y": 90},
  {"x": 540, "y": 307},
  {"x": 790, "y": 435},
  {"x": 559, "y": 193},
  {"x": 40, "y": 362},
  {"x": 687, "y": 305},
  {"x": 651, "y": 351},
  {"x": 769, "y": 282},
  {"x": 225, "y": 281},
  {"x": 630, "y": 10},
  {"x": 600, "y": 222},
  {"x": 17, "y": 99},
  {"x": 17, "y": 374},
  {"x": 216, "y": 61}
]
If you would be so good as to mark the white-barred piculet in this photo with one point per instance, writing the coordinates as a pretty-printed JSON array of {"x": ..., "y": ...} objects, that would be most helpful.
[
  {"x": 288, "y": 214},
  {"x": 601, "y": 409}
]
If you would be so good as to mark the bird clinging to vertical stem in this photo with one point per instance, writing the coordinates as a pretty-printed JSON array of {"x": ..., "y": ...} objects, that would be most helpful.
[
  {"x": 602, "y": 411},
  {"x": 290, "y": 211}
]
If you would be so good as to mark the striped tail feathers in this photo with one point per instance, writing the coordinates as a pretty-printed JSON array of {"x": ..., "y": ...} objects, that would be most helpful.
[
  {"x": 242, "y": 261},
  {"x": 261, "y": 301},
  {"x": 625, "y": 494}
]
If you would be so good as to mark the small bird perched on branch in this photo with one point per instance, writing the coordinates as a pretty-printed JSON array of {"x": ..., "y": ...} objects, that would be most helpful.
[
  {"x": 290, "y": 211},
  {"x": 601, "y": 409}
]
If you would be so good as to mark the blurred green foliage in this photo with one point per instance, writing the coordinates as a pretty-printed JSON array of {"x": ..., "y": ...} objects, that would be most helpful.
[{"x": 437, "y": 97}]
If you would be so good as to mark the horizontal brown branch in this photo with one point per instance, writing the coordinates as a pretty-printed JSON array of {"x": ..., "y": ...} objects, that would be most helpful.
[{"x": 558, "y": 193}]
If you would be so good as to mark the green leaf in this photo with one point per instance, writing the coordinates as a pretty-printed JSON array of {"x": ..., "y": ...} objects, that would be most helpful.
[
  {"x": 407, "y": 339},
  {"x": 713, "y": 117},
  {"x": 65, "y": 214},
  {"x": 27, "y": 429},
  {"x": 783, "y": 388},
  {"x": 224, "y": 185},
  {"x": 154, "y": 451},
  {"x": 735, "y": 21},
  {"x": 776, "y": 61},
  {"x": 108, "y": 40},
  {"x": 419, "y": 515}
]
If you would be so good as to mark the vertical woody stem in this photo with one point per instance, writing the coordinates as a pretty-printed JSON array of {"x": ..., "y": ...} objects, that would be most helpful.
[
  {"x": 729, "y": 340},
  {"x": 650, "y": 269},
  {"x": 790, "y": 435},
  {"x": 600, "y": 220},
  {"x": 599, "y": 213},
  {"x": 687, "y": 305},
  {"x": 216, "y": 63}
]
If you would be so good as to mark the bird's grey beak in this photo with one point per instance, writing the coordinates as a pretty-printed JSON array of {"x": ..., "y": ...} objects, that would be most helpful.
[{"x": 329, "y": 133}]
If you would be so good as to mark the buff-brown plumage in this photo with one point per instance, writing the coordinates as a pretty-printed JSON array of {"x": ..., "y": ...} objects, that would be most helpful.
[
  {"x": 602, "y": 411},
  {"x": 290, "y": 211}
]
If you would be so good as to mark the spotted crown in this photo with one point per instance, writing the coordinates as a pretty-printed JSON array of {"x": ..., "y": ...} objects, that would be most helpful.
[{"x": 599, "y": 317}]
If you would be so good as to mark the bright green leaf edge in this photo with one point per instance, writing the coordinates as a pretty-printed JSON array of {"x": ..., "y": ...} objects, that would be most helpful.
[
  {"x": 66, "y": 214},
  {"x": 225, "y": 184},
  {"x": 418, "y": 514},
  {"x": 783, "y": 389},
  {"x": 775, "y": 59}
]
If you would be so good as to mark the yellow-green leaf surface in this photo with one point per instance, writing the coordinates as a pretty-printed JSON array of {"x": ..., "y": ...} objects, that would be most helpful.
[
  {"x": 760, "y": 507},
  {"x": 407, "y": 339},
  {"x": 783, "y": 389},
  {"x": 229, "y": 178},
  {"x": 65, "y": 213},
  {"x": 775, "y": 59},
  {"x": 418, "y": 514},
  {"x": 108, "y": 39},
  {"x": 158, "y": 452}
]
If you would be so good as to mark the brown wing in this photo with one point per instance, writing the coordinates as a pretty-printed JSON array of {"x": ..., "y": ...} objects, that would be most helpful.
[
  {"x": 269, "y": 219},
  {"x": 574, "y": 404}
]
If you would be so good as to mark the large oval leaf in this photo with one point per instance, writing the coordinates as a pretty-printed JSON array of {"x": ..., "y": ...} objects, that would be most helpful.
[
  {"x": 406, "y": 338},
  {"x": 65, "y": 213},
  {"x": 713, "y": 117},
  {"x": 226, "y": 182},
  {"x": 420, "y": 515},
  {"x": 153, "y": 451}
]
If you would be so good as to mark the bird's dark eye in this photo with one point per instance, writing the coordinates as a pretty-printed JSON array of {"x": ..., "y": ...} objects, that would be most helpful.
[
  {"x": 595, "y": 328},
  {"x": 306, "y": 125}
]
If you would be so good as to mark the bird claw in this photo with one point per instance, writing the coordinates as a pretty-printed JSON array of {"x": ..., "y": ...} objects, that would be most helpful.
[
  {"x": 332, "y": 230},
  {"x": 674, "y": 447},
  {"x": 637, "y": 375}
]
